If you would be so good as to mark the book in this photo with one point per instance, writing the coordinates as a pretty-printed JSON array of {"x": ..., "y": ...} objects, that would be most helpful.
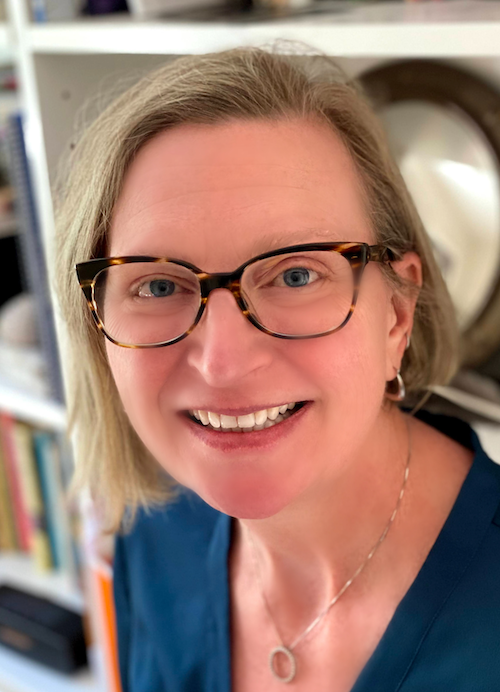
[
  {"x": 32, "y": 495},
  {"x": 105, "y": 622},
  {"x": 70, "y": 512},
  {"x": 8, "y": 538},
  {"x": 48, "y": 464},
  {"x": 22, "y": 520},
  {"x": 98, "y": 547}
]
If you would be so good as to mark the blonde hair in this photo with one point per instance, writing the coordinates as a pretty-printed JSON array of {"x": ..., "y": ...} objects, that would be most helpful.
[{"x": 247, "y": 83}]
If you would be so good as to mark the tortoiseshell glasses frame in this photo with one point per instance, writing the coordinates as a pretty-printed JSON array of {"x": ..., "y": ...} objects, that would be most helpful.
[{"x": 357, "y": 254}]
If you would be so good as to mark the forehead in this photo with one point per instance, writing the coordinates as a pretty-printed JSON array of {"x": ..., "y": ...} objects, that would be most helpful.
[{"x": 217, "y": 194}]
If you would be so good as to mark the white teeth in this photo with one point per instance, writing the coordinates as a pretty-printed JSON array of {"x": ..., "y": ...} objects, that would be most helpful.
[
  {"x": 204, "y": 417},
  {"x": 261, "y": 417},
  {"x": 247, "y": 421},
  {"x": 251, "y": 421},
  {"x": 272, "y": 413},
  {"x": 227, "y": 421},
  {"x": 214, "y": 419}
]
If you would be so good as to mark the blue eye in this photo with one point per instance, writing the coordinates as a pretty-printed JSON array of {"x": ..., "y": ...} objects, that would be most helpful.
[
  {"x": 159, "y": 288},
  {"x": 297, "y": 276}
]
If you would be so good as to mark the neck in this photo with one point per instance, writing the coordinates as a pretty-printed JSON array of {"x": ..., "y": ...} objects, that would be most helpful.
[{"x": 306, "y": 553}]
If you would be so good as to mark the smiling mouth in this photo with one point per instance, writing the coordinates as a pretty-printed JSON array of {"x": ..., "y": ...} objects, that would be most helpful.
[{"x": 241, "y": 424}]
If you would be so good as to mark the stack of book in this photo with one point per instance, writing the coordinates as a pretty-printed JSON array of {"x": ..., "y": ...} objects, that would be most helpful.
[{"x": 35, "y": 516}]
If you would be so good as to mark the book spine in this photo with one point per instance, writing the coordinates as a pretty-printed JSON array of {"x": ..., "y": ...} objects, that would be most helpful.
[
  {"x": 21, "y": 517},
  {"x": 30, "y": 485},
  {"x": 101, "y": 577},
  {"x": 98, "y": 548},
  {"x": 73, "y": 549},
  {"x": 51, "y": 486},
  {"x": 8, "y": 538}
]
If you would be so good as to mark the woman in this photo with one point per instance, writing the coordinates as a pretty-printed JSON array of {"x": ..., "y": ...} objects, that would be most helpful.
[{"x": 260, "y": 293}]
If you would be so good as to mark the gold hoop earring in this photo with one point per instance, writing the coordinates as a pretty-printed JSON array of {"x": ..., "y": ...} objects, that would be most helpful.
[{"x": 395, "y": 389}]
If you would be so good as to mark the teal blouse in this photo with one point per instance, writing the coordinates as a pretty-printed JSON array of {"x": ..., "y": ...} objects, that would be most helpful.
[{"x": 172, "y": 597}]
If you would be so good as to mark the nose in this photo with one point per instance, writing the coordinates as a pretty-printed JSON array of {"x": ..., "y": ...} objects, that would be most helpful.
[{"x": 225, "y": 347}]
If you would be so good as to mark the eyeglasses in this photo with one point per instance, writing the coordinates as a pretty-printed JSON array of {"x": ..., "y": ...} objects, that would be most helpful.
[{"x": 297, "y": 292}]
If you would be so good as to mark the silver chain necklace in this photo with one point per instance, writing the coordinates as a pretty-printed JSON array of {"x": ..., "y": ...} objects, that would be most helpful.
[{"x": 288, "y": 650}]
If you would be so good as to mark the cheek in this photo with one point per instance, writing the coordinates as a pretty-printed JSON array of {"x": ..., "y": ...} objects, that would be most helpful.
[
  {"x": 351, "y": 363},
  {"x": 140, "y": 375}
]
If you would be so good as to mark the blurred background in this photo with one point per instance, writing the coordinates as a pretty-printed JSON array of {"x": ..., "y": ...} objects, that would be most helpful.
[{"x": 432, "y": 70}]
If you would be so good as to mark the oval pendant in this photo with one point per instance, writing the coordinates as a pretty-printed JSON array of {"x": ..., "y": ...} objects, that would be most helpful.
[{"x": 291, "y": 658}]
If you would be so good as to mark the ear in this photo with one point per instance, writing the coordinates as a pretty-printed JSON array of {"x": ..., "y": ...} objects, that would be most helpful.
[{"x": 402, "y": 309}]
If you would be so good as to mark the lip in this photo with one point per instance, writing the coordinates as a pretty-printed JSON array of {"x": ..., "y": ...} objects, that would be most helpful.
[
  {"x": 234, "y": 441},
  {"x": 235, "y": 411}
]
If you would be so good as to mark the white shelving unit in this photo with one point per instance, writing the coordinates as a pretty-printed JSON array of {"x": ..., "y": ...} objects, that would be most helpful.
[
  {"x": 456, "y": 28},
  {"x": 19, "y": 675},
  {"x": 62, "y": 66},
  {"x": 18, "y": 569},
  {"x": 32, "y": 409}
]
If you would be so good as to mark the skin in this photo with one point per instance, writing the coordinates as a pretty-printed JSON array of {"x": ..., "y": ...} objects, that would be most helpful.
[{"x": 318, "y": 500}]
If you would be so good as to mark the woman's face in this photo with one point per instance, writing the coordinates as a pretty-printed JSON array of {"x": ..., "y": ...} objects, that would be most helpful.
[{"x": 216, "y": 196}]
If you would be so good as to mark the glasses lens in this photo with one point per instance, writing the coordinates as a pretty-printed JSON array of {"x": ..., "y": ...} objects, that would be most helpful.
[
  {"x": 301, "y": 293},
  {"x": 145, "y": 303}
]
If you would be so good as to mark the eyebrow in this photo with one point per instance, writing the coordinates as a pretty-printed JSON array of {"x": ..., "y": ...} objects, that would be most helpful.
[
  {"x": 298, "y": 237},
  {"x": 268, "y": 244}
]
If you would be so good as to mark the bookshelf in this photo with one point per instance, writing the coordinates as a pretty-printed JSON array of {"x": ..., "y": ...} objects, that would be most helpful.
[
  {"x": 17, "y": 674},
  {"x": 23, "y": 404},
  {"x": 19, "y": 569},
  {"x": 32, "y": 409},
  {"x": 20, "y": 675},
  {"x": 62, "y": 65},
  {"x": 386, "y": 29}
]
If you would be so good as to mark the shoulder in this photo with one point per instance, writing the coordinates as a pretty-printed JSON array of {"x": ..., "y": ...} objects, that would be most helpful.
[
  {"x": 453, "y": 444},
  {"x": 452, "y": 461},
  {"x": 454, "y": 429},
  {"x": 455, "y": 492}
]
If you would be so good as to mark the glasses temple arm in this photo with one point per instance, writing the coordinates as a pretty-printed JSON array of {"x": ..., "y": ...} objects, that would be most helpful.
[{"x": 384, "y": 254}]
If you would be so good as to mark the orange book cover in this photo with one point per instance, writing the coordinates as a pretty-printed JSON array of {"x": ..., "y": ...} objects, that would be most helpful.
[
  {"x": 101, "y": 575},
  {"x": 98, "y": 557}
]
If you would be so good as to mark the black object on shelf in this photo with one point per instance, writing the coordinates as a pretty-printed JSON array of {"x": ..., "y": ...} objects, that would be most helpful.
[
  {"x": 10, "y": 276},
  {"x": 104, "y": 6},
  {"x": 42, "y": 630}
]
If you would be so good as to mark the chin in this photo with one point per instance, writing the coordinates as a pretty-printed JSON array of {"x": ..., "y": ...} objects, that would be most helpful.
[{"x": 247, "y": 500}]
